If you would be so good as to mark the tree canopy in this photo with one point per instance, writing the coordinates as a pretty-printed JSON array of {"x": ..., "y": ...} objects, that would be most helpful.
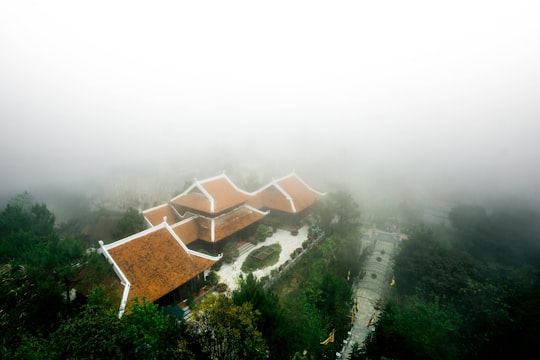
[{"x": 470, "y": 289}]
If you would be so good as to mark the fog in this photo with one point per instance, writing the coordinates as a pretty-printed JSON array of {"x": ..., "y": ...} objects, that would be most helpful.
[{"x": 389, "y": 96}]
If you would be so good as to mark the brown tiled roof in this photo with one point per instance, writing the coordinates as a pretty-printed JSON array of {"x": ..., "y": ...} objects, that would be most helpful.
[
  {"x": 224, "y": 193},
  {"x": 274, "y": 199},
  {"x": 155, "y": 264},
  {"x": 302, "y": 195},
  {"x": 234, "y": 221},
  {"x": 194, "y": 200},
  {"x": 155, "y": 215},
  {"x": 187, "y": 231},
  {"x": 256, "y": 201},
  {"x": 227, "y": 224}
]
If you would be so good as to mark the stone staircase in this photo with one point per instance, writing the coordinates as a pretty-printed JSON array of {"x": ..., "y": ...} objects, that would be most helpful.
[{"x": 244, "y": 249}]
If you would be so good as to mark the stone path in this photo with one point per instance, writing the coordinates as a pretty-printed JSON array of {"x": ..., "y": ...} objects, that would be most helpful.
[
  {"x": 369, "y": 290},
  {"x": 229, "y": 273}
]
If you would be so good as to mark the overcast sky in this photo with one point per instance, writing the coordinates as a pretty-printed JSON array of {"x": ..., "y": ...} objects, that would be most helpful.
[{"x": 422, "y": 89}]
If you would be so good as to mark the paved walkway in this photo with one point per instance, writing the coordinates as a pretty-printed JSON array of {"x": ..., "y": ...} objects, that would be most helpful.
[
  {"x": 369, "y": 290},
  {"x": 229, "y": 273}
]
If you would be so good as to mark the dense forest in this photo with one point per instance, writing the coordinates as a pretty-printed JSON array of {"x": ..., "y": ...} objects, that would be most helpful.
[
  {"x": 42, "y": 261},
  {"x": 465, "y": 291},
  {"x": 468, "y": 291}
]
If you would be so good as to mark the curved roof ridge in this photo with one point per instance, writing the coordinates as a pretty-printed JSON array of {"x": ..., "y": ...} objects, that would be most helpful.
[
  {"x": 188, "y": 250},
  {"x": 155, "y": 207},
  {"x": 286, "y": 194},
  {"x": 305, "y": 184},
  {"x": 134, "y": 236},
  {"x": 212, "y": 178},
  {"x": 181, "y": 222},
  {"x": 236, "y": 187},
  {"x": 123, "y": 278},
  {"x": 256, "y": 210}
]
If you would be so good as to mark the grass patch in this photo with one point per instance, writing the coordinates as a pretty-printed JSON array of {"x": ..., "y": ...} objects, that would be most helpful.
[{"x": 261, "y": 258}]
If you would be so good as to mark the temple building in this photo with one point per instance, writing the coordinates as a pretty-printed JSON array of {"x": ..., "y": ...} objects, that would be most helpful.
[
  {"x": 208, "y": 212},
  {"x": 288, "y": 199},
  {"x": 167, "y": 261}
]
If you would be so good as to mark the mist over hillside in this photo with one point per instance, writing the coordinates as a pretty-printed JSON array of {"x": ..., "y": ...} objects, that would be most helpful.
[{"x": 397, "y": 101}]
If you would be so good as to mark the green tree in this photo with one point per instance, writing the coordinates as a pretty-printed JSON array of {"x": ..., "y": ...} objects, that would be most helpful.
[
  {"x": 96, "y": 333},
  {"x": 338, "y": 214},
  {"x": 227, "y": 331},
  {"x": 37, "y": 268},
  {"x": 131, "y": 222},
  {"x": 272, "y": 320},
  {"x": 416, "y": 330},
  {"x": 230, "y": 252},
  {"x": 262, "y": 233},
  {"x": 149, "y": 333}
]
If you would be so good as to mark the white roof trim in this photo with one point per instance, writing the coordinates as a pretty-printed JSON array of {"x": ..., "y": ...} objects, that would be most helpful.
[
  {"x": 306, "y": 185},
  {"x": 213, "y": 230},
  {"x": 207, "y": 194},
  {"x": 256, "y": 210},
  {"x": 287, "y": 196},
  {"x": 236, "y": 187},
  {"x": 185, "y": 191},
  {"x": 155, "y": 208},
  {"x": 123, "y": 279},
  {"x": 177, "y": 238},
  {"x": 197, "y": 184},
  {"x": 134, "y": 236},
  {"x": 188, "y": 250},
  {"x": 148, "y": 222},
  {"x": 176, "y": 211},
  {"x": 193, "y": 217}
]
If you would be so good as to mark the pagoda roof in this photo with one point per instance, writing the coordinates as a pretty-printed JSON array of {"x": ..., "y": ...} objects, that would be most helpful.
[
  {"x": 212, "y": 196},
  {"x": 187, "y": 230},
  {"x": 220, "y": 227},
  {"x": 154, "y": 216},
  {"x": 153, "y": 263},
  {"x": 288, "y": 194}
]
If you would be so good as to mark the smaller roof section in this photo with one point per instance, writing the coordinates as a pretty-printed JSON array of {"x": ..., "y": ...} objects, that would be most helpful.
[
  {"x": 212, "y": 196},
  {"x": 288, "y": 194},
  {"x": 155, "y": 215},
  {"x": 220, "y": 227}
]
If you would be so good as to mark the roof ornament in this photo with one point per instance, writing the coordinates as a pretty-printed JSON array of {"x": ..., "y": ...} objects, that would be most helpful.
[{"x": 165, "y": 219}]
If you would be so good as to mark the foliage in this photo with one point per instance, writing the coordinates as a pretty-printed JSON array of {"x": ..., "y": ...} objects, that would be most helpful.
[
  {"x": 272, "y": 320},
  {"x": 37, "y": 267},
  {"x": 262, "y": 233},
  {"x": 252, "y": 263},
  {"x": 213, "y": 277},
  {"x": 315, "y": 301},
  {"x": 338, "y": 214},
  {"x": 473, "y": 288},
  {"x": 221, "y": 287},
  {"x": 230, "y": 252},
  {"x": 402, "y": 331},
  {"x": 131, "y": 222},
  {"x": 225, "y": 330},
  {"x": 507, "y": 236},
  {"x": 96, "y": 333},
  {"x": 149, "y": 333}
]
